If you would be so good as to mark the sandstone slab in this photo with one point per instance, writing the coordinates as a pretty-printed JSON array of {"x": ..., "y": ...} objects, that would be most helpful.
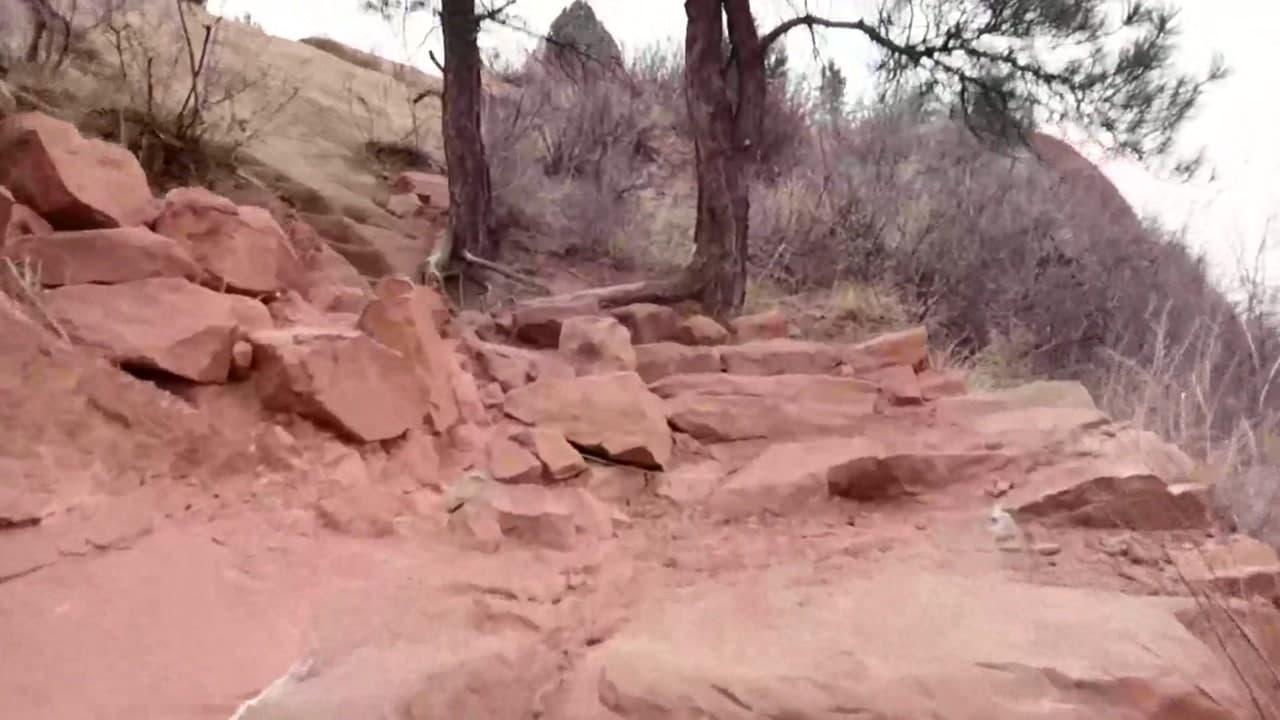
[
  {"x": 718, "y": 407},
  {"x": 403, "y": 317},
  {"x": 109, "y": 256},
  {"x": 242, "y": 248},
  {"x": 613, "y": 415},
  {"x": 655, "y": 361},
  {"x": 72, "y": 182},
  {"x": 538, "y": 322},
  {"x": 595, "y": 344},
  {"x": 559, "y": 459},
  {"x": 768, "y": 325},
  {"x": 165, "y": 324},
  {"x": 701, "y": 330},
  {"x": 909, "y": 645},
  {"x": 648, "y": 323},
  {"x": 780, "y": 357},
  {"x": 341, "y": 378}
]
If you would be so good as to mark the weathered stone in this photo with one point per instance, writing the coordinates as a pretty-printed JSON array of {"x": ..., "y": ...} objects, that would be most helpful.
[
  {"x": 72, "y": 182},
  {"x": 778, "y": 357},
  {"x": 538, "y": 322},
  {"x": 402, "y": 317},
  {"x": 907, "y": 347},
  {"x": 342, "y": 378},
  {"x": 242, "y": 248},
  {"x": 910, "y": 645},
  {"x": 613, "y": 415},
  {"x": 108, "y": 256},
  {"x": 166, "y": 324},
  {"x": 429, "y": 189},
  {"x": 719, "y": 407},
  {"x": 648, "y": 323},
  {"x": 595, "y": 344},
  {"x": 658, "y": 360},
  {"x": 514, "y": 367},
  {"x": 936, "y": 384},
  {"x": 558, "y": 458},
  {"x": 769, "y": 325},
  {"x": 701, "y": 330},
  {"x": 511, "y": 463}
]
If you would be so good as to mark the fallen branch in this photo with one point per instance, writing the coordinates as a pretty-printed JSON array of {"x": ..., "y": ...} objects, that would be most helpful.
[{"x": 504, "y": 271}]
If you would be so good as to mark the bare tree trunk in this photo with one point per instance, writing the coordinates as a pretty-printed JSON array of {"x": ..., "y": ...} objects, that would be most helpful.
[
  {"x": 725, "y": 144},
  {"x": 469, "y": 190},
  {"x": 719, "y": 260}
]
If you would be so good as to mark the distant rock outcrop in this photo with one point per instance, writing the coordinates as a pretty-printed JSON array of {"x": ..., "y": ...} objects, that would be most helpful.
[
  {"x": 1087, "y": 181},
  {"x": 578, "y": 40}
]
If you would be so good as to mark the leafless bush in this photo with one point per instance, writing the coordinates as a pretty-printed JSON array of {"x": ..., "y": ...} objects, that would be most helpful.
[
  {"x": 155, "y": 75},
  {"x": 567, "y": 158},
  {"x": 178, "y": 92}
]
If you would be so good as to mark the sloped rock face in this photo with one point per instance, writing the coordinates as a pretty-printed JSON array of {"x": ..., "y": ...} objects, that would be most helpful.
[
  {"x": 72, "y": 182},
  {"x": 909, "y": 645}
]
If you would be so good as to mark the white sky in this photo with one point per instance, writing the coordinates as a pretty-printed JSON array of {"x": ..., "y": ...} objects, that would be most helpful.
[{"x": 1236, "y": 123}]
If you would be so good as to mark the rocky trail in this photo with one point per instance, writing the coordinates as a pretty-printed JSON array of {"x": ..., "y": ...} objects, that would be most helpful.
[{"x": 238, "y": 479}]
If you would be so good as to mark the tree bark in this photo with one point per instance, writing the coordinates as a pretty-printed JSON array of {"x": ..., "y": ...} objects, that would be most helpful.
[
  {"x": 725, "y": 138},
  {"x": 718, "y": 269},
  {"x": 469, "y": 190}
]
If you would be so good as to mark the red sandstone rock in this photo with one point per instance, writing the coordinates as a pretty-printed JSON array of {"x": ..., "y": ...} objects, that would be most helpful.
[
  {"x": 596, "y": 344},
  {"x": 658, "y": 360},
  {"x": 648, "y": 323},
  {"x": 109, "y": 256},
  {"x": 701, "y": 330},
  {"x": 341, "y": 378},
  {"x": 240, "y": 247},
  {"x": 166, "y": 324},
  {"x": 401, "y": 317},
  {"x": 73, "y": 182},
  {"x": 614, "y": 415},
  {"x": 769, "y": 325}
]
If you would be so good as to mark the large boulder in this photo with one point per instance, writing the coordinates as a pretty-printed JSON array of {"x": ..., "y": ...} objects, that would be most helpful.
[
  {"x": 613, "y": 415},
  {"x": 910, "y": 645},
  {"x": 242, "y": 248},
  {"x": 166, "y": 324},
  {"x": 73, "y": 182},
  {"x": 403, "y": 317},
  {"x": 109, "y": 256},
  {"x": 342, "y": 378},
  {"x": 579, "y": 43}
]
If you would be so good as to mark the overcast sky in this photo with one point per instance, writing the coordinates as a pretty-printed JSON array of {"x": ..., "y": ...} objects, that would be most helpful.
[{"x": 1237, "y": 124}]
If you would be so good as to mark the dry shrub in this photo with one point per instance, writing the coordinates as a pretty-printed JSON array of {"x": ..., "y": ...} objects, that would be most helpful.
[
  {"x": 1020, "y": 274},
  {"x": 159, "y": 77},
  {"x": 567, "y": 161}
]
